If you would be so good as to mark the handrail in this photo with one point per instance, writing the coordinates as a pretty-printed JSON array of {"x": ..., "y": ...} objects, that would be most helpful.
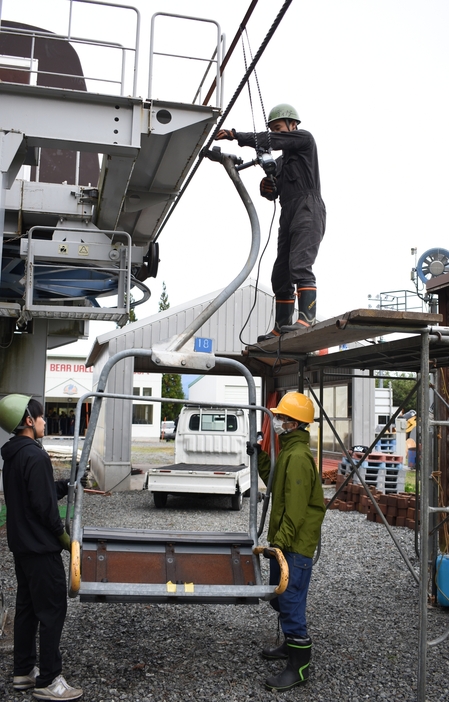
[
  {"x": 67, "y": 37},
  {"x": 217, "y": 53}
]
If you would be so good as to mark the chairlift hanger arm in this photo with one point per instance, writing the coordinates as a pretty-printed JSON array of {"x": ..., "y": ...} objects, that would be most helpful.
[{"x": 229, "y": 162}]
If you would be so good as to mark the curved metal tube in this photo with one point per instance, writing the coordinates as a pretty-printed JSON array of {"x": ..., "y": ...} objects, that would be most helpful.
[
  {"x": 229, "y": 163},
  {"x": 283, "y": 565}
]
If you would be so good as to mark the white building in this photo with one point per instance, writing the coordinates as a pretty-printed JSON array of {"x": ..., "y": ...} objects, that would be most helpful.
[
  {"x": 220, "y": 388},
  {"x": 68, "y": 378}
]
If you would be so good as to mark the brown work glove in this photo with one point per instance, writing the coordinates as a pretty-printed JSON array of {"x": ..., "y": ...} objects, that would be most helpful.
[
  {"x": 268, "y": 188},
  {"x": 228, "y": 134}
]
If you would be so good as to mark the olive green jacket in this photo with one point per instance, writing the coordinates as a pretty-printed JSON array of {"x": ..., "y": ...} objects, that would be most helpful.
[{"x": 297, "y": 508}]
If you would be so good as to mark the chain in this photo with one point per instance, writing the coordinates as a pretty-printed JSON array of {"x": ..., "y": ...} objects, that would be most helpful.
[
  {"x": 259, "y": 92},
  {"x": 249, "y": 92}
]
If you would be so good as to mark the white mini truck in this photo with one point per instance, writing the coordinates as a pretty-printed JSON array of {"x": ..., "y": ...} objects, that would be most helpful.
[{"x": 210, "y": 457}]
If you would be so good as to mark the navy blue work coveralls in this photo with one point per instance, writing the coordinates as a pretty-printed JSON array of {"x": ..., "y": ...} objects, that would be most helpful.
[
  {"x": 33, "y": 525},
  {"x": 303, "y": 216}
]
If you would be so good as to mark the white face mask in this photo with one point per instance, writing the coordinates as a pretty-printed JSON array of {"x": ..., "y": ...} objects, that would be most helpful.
[{"x": 278, "y": 425}]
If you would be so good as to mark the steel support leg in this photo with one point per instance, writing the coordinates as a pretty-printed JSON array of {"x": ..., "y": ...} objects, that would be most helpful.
[{"x": 424, "y": 518}]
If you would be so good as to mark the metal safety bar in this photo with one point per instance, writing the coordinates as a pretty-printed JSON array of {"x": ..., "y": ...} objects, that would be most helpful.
[
  {"x": 68, "y": 37},
  {"x": 75, "y": 494},
  {"x": 77, "y": 473}
]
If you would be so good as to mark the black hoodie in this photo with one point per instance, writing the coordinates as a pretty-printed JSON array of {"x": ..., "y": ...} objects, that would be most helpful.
[{"x": 32, "y": 518}]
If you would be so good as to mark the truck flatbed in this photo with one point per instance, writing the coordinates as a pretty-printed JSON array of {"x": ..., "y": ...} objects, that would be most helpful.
[
  {"x": 197, "y": 467},
  {"x": 199, "y": 479}
]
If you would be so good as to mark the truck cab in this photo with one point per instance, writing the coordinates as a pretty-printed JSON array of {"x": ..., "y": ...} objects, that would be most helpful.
[{"x": 212, "y": 436}]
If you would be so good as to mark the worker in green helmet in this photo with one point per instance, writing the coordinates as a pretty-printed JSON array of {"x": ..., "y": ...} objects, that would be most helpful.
[
  {"x": 36, "y": 537},
  {"x": 303, "y": 217}
]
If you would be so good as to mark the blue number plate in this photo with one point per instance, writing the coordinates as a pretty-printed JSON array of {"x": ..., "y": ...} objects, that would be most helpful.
[{"x": 203, "y": 345}]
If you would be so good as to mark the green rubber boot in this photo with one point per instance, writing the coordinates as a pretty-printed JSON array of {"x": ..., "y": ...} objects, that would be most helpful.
[{"x": 297, "y": 670}]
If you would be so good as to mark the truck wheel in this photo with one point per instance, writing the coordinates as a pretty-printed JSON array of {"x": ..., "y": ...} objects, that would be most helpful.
[
  {"x": 160, "y": 499},
  {"x": 237, "y": 502}
]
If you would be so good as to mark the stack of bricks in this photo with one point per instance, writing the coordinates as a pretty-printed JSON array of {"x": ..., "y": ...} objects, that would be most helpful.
[
  {"x": 330, "y": 471},
  {"x": 399, "y": 509}
]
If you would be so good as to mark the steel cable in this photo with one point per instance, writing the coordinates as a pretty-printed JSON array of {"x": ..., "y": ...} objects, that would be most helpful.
[{"x": 233, "y": 100}]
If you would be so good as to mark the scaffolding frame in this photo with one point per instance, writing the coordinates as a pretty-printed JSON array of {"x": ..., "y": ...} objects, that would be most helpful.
[{"x": 424, "y": 351}]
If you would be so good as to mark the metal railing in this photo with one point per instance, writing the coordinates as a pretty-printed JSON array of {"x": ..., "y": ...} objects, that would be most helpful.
[
  {"x": 41, "y": 253},
  {"x": 399, "y": 301},
  {"x": 34, "y": 35},
  {"x": 215, "y": 60}
]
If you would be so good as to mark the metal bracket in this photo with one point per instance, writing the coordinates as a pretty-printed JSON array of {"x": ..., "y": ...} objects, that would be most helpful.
[
  {"x": 187, "y": 358},
  {"x": 237, "y": 571},
  {"x": 170, "y": 563},
  {"x": 102, "y": 563}
]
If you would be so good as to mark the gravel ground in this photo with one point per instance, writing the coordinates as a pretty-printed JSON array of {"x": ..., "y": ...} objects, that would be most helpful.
[{"x": 362, "y": 614}]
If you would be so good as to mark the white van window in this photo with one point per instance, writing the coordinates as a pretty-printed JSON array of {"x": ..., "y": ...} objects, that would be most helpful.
[{"x": 213, "y": 422}]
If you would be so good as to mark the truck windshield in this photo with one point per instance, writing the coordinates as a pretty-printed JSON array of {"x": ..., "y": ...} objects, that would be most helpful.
[{"x": 213, "y": 422}]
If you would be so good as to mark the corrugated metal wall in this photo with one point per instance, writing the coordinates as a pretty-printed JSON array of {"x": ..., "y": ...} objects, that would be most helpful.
[{"x": 223, "y": 327}]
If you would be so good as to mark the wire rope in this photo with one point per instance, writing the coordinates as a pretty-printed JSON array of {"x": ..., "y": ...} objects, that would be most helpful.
[{"x": 229, "y": 107}]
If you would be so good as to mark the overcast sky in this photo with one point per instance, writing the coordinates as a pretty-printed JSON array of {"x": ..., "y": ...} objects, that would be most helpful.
[{"x": 369, "y": 80}]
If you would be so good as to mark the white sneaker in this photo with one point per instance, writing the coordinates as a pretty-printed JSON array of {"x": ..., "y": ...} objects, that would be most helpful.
[
  {"x": 24, "y": 682},
  {"x": 58, "y": 690}
]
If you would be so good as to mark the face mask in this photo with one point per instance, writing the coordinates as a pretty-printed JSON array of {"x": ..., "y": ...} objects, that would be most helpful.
[{"x": 278, "y": 425}]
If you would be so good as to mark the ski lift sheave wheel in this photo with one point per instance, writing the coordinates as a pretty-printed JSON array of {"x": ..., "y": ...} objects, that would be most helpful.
[
  {"x": 433, "y": 263},
  {"x": 152, "y": 259}
]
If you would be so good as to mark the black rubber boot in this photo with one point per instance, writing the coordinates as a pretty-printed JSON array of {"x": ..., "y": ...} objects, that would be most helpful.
[
  {"x": 283, "y": 315},
  {"x": 306, "y": 310},
  {"x": 280, "y": 652},
  {"x": 297, "y": 670}
]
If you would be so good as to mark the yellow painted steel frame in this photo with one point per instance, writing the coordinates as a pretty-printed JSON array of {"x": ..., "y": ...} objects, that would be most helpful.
[
  {"x": 75, "y": 569},
  {"x": 283, "y": 580}
]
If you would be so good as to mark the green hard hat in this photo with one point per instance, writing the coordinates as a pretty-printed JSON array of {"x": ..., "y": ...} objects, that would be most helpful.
[
  {"x": 12, "y": 409},
  {"x": 283, "y": 111}
]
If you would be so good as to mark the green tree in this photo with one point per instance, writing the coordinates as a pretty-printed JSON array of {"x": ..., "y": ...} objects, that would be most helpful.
[
  {"x": 401, "y": 388},
  {"x": 163, "y": 300},
  {"x": 171, "y": 387},
  {"x": 171, "y": 382}
]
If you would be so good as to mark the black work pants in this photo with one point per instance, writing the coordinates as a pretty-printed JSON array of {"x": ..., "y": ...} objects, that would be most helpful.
[
  {"x": 301, "y": 228},
  {"x": 41, "y": 600}
]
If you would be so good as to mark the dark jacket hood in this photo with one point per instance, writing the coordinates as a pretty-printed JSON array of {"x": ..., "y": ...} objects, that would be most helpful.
[{"x": 15, "y": 444}]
